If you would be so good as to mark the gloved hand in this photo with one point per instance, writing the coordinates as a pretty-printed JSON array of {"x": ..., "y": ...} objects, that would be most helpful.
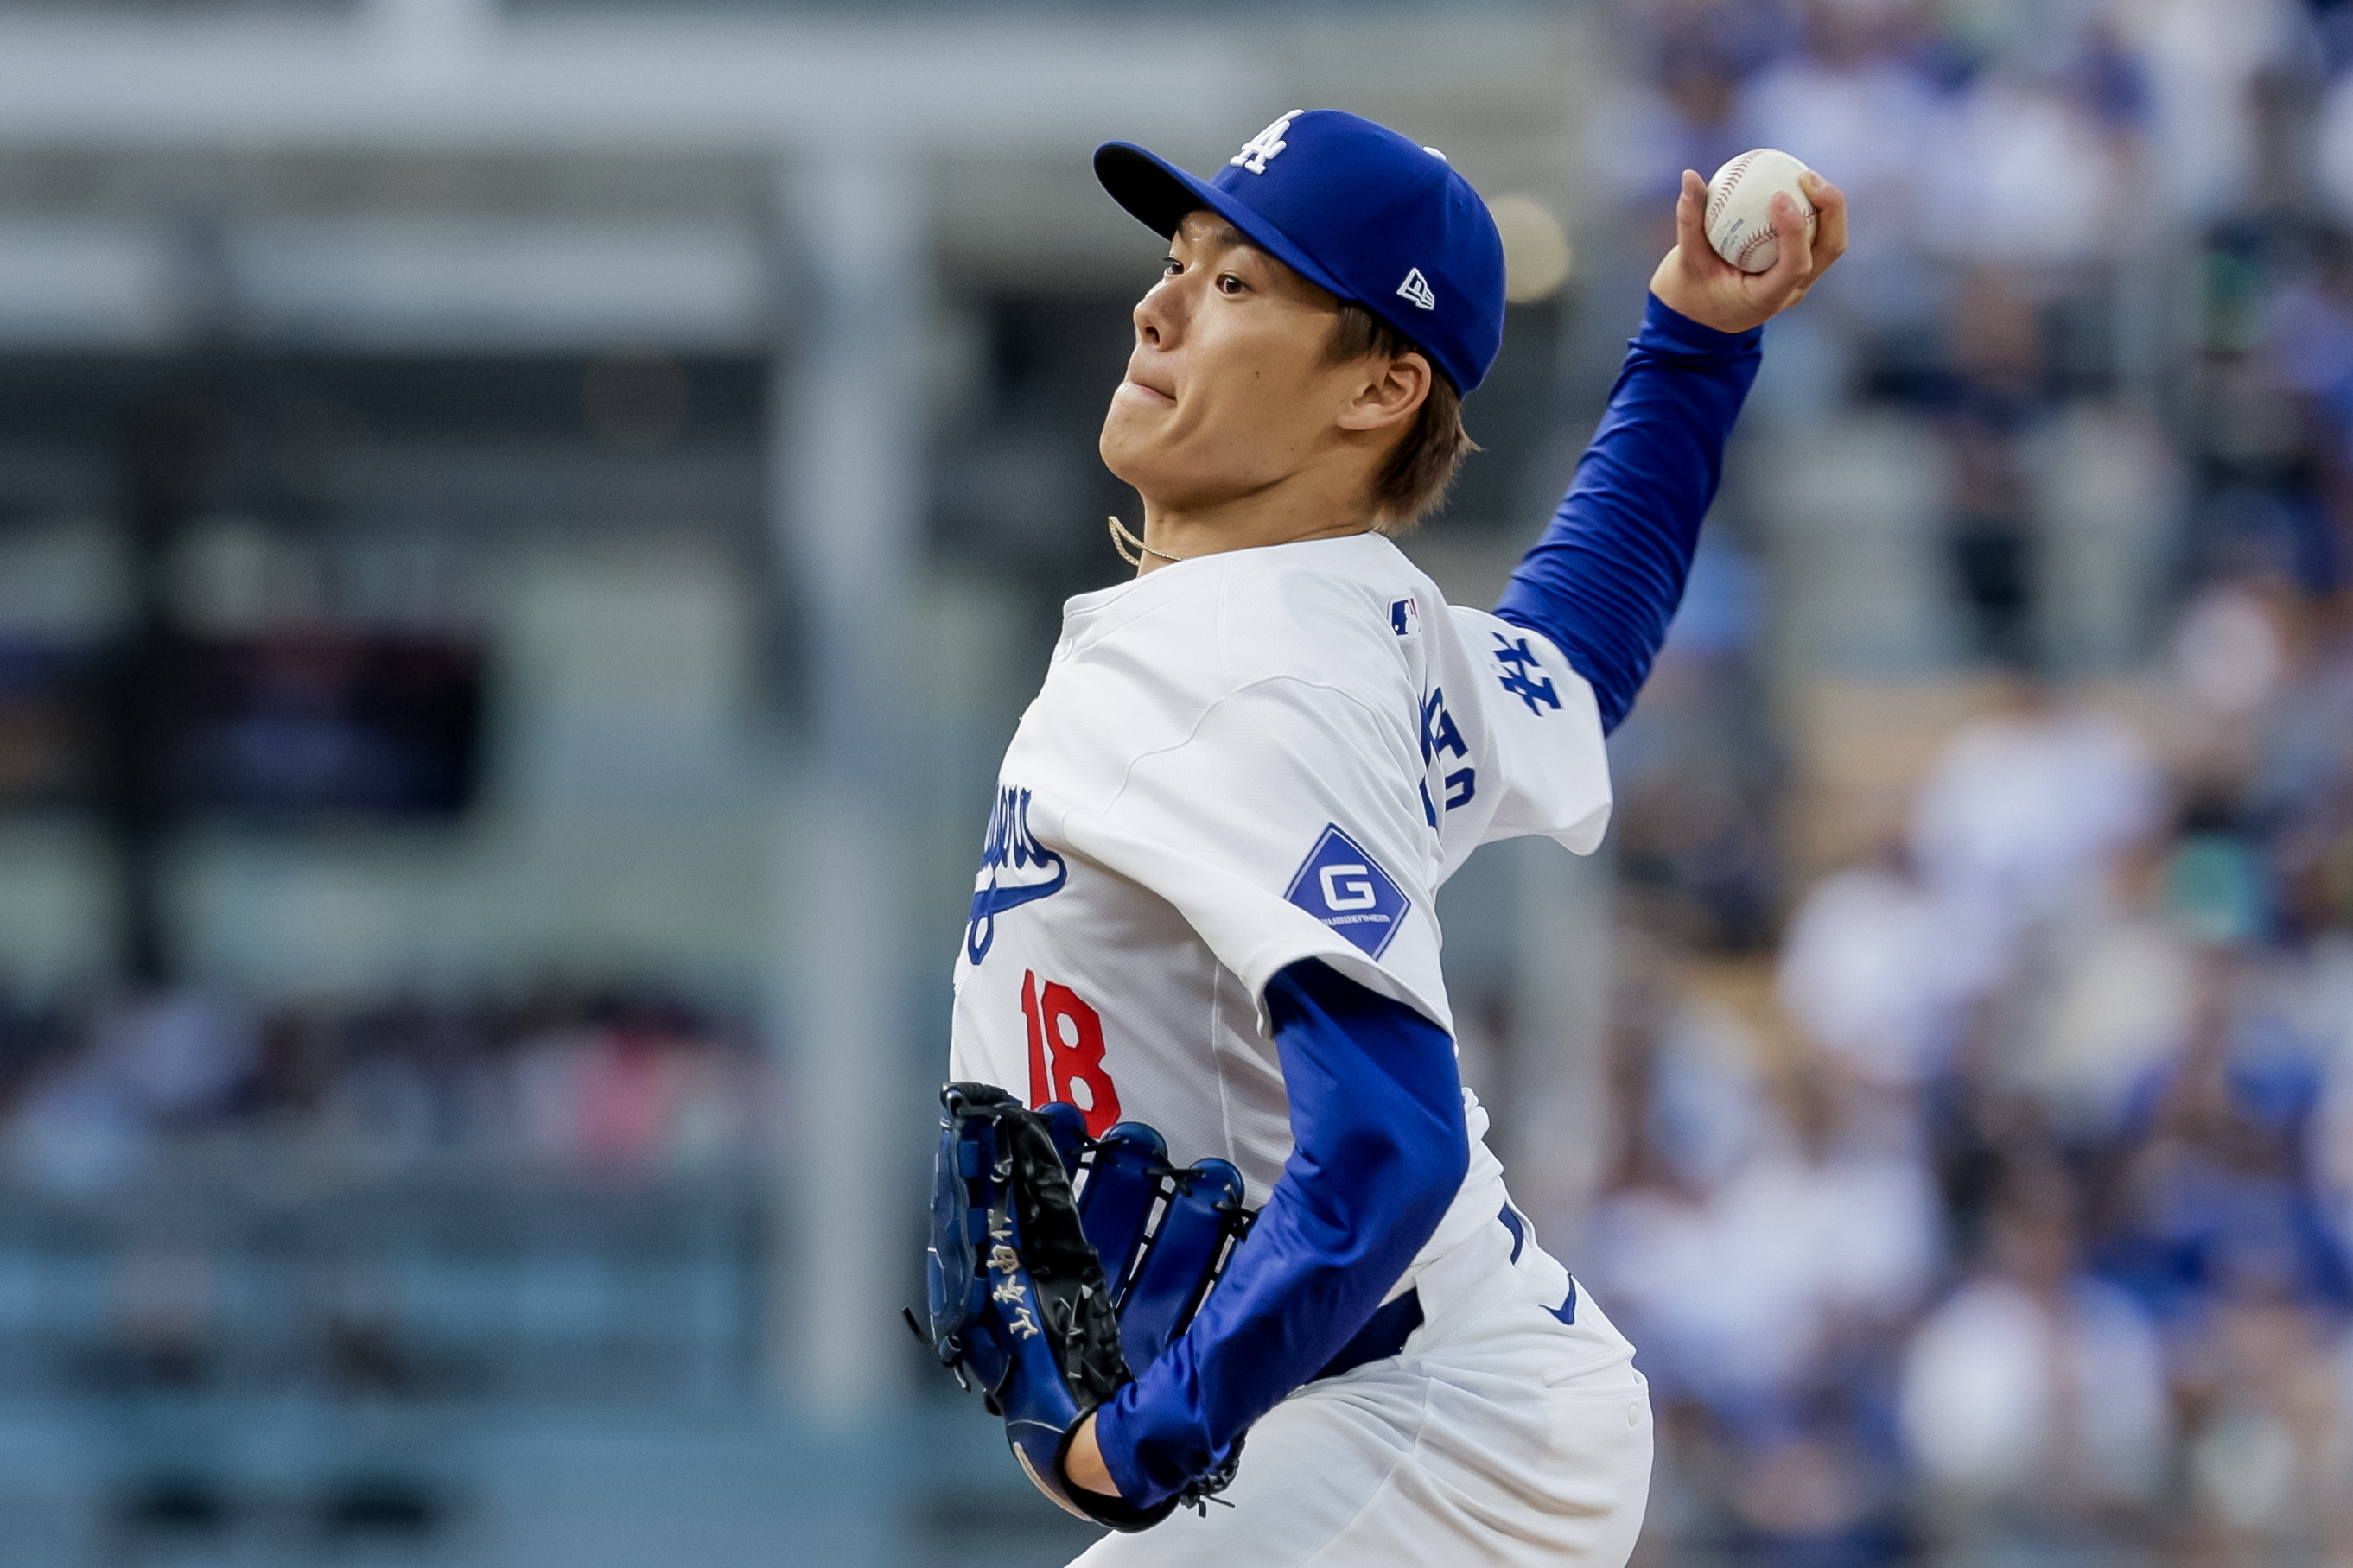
[{"x": 1048, "y": 1299}]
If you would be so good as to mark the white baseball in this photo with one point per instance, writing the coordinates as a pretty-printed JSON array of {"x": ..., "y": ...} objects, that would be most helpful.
[{"x": 1740, "y": 207}]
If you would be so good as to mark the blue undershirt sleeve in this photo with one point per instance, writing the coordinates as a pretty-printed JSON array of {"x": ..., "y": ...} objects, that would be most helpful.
[
  {"x": 1380, "y": 1150},
  {"x": 1605, "y": 579}
]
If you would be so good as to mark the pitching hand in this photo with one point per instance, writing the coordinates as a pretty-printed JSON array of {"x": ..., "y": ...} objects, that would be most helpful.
[{"x": 1697, "y": 283}]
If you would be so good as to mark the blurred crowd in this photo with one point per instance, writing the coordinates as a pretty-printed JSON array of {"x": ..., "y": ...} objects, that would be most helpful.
[
  {"x": 2015, "y": 1215},
  {"x": 2036, "y": 1215},
  {"x": 612, "y": 1086}
]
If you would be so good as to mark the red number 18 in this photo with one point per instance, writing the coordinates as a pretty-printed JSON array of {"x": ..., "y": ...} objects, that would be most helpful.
[{"x": 1066, "y": 1047}]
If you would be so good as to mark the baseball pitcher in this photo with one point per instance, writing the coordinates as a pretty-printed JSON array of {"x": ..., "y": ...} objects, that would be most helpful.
[{"x": 1209, "y": 1171}]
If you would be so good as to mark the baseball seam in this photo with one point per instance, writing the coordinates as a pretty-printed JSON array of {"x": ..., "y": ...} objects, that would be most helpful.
[{"x": 1732, "y": 177}]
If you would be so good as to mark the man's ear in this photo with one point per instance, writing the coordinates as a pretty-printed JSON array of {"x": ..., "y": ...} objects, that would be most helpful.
[{"x": 1390, "y": 394}]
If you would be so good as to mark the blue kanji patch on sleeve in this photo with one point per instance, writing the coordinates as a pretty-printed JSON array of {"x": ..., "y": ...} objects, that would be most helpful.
[
  {"x": 1524, "y": 676},
  {"x": 1340, "y": 885}
]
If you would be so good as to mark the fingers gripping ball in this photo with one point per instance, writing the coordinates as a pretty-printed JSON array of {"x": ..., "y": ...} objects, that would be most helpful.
[
  {"x": 1740, "y": 207},
  {"x": 1020, "y": 1295}
]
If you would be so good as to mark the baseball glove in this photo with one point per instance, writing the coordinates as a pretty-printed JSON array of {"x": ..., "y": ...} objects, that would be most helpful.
[{"x": 1048, "y": 1299}]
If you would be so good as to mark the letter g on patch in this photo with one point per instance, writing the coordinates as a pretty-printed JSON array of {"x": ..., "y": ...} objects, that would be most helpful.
[{"x": 1344, "y": 887}]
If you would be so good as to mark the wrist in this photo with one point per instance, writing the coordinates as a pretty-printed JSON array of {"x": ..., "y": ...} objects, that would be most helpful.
[
  {"x": 1106, "y": 1507},
  {"x": 1082, "y": 1459},
  {"x": 1673, "y": 331}
]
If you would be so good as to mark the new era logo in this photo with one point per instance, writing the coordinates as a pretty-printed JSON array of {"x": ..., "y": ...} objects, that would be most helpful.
[
  {"x": 1340, "y": 885},
  {"x": 1416, "y": 289}
]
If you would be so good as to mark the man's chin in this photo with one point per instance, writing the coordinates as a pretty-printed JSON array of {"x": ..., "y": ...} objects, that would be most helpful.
[{"x": 1126, "y": 451}]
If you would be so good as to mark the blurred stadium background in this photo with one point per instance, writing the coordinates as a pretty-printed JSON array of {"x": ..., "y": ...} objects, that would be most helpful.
[{"x": 524, "y": 529}]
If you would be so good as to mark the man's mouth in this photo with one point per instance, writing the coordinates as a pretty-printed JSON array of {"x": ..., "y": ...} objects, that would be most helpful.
[{"x": 1146, "y": 389}]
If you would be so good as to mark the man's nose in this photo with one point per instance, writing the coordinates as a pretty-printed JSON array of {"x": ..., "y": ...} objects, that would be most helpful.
[{"x": 1160, "y": 314}]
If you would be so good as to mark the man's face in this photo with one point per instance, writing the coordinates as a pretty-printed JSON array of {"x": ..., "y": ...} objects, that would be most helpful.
[{"x": 1228, "y": 390}]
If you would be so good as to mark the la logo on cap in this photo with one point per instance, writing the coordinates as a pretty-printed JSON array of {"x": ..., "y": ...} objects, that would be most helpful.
[
  {"x": 1264, "y": 145},
  {"x": 1416, "y": 289}
]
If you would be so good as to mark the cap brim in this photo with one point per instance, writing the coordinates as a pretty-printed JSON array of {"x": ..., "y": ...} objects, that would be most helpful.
[{"x": 1158, "y": 195}]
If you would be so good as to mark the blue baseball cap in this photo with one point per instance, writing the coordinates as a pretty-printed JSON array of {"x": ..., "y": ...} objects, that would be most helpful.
[{"x": 1355, "y": 208}]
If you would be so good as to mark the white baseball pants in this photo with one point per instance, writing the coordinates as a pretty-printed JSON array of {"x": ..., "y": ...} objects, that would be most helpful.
[{"x": 1499, "y": 1435}]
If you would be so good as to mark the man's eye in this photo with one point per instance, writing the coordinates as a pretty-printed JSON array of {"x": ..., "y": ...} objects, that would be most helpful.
[
  {"x": 1171, "y": 267},
  {"x": 1229, "y": 284}
]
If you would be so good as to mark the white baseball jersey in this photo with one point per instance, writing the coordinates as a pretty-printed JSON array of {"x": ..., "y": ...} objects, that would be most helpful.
[{"x": 1237, "y": 762}]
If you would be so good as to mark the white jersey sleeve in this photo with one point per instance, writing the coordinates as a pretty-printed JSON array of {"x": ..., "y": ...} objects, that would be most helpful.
[
  {"x": 1542, "y": 765},
  {"x": 1284, "y": 826}
]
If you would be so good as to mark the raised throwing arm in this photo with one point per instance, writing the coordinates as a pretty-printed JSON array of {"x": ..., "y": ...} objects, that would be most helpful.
[{"x": 1605, "y": 580}]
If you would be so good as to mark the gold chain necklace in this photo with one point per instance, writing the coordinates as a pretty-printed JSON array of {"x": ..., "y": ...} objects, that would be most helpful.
[{"x": 1127, "y": 544}]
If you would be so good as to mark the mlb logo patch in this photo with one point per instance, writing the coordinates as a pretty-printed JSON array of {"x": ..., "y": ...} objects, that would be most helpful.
[
  {"x": 1340, "y": 885},
  {"x": 1405, "y": 617}
]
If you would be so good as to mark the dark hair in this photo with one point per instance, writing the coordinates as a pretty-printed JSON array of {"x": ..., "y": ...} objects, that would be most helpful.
[{"x": 1423, "y": 463}]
